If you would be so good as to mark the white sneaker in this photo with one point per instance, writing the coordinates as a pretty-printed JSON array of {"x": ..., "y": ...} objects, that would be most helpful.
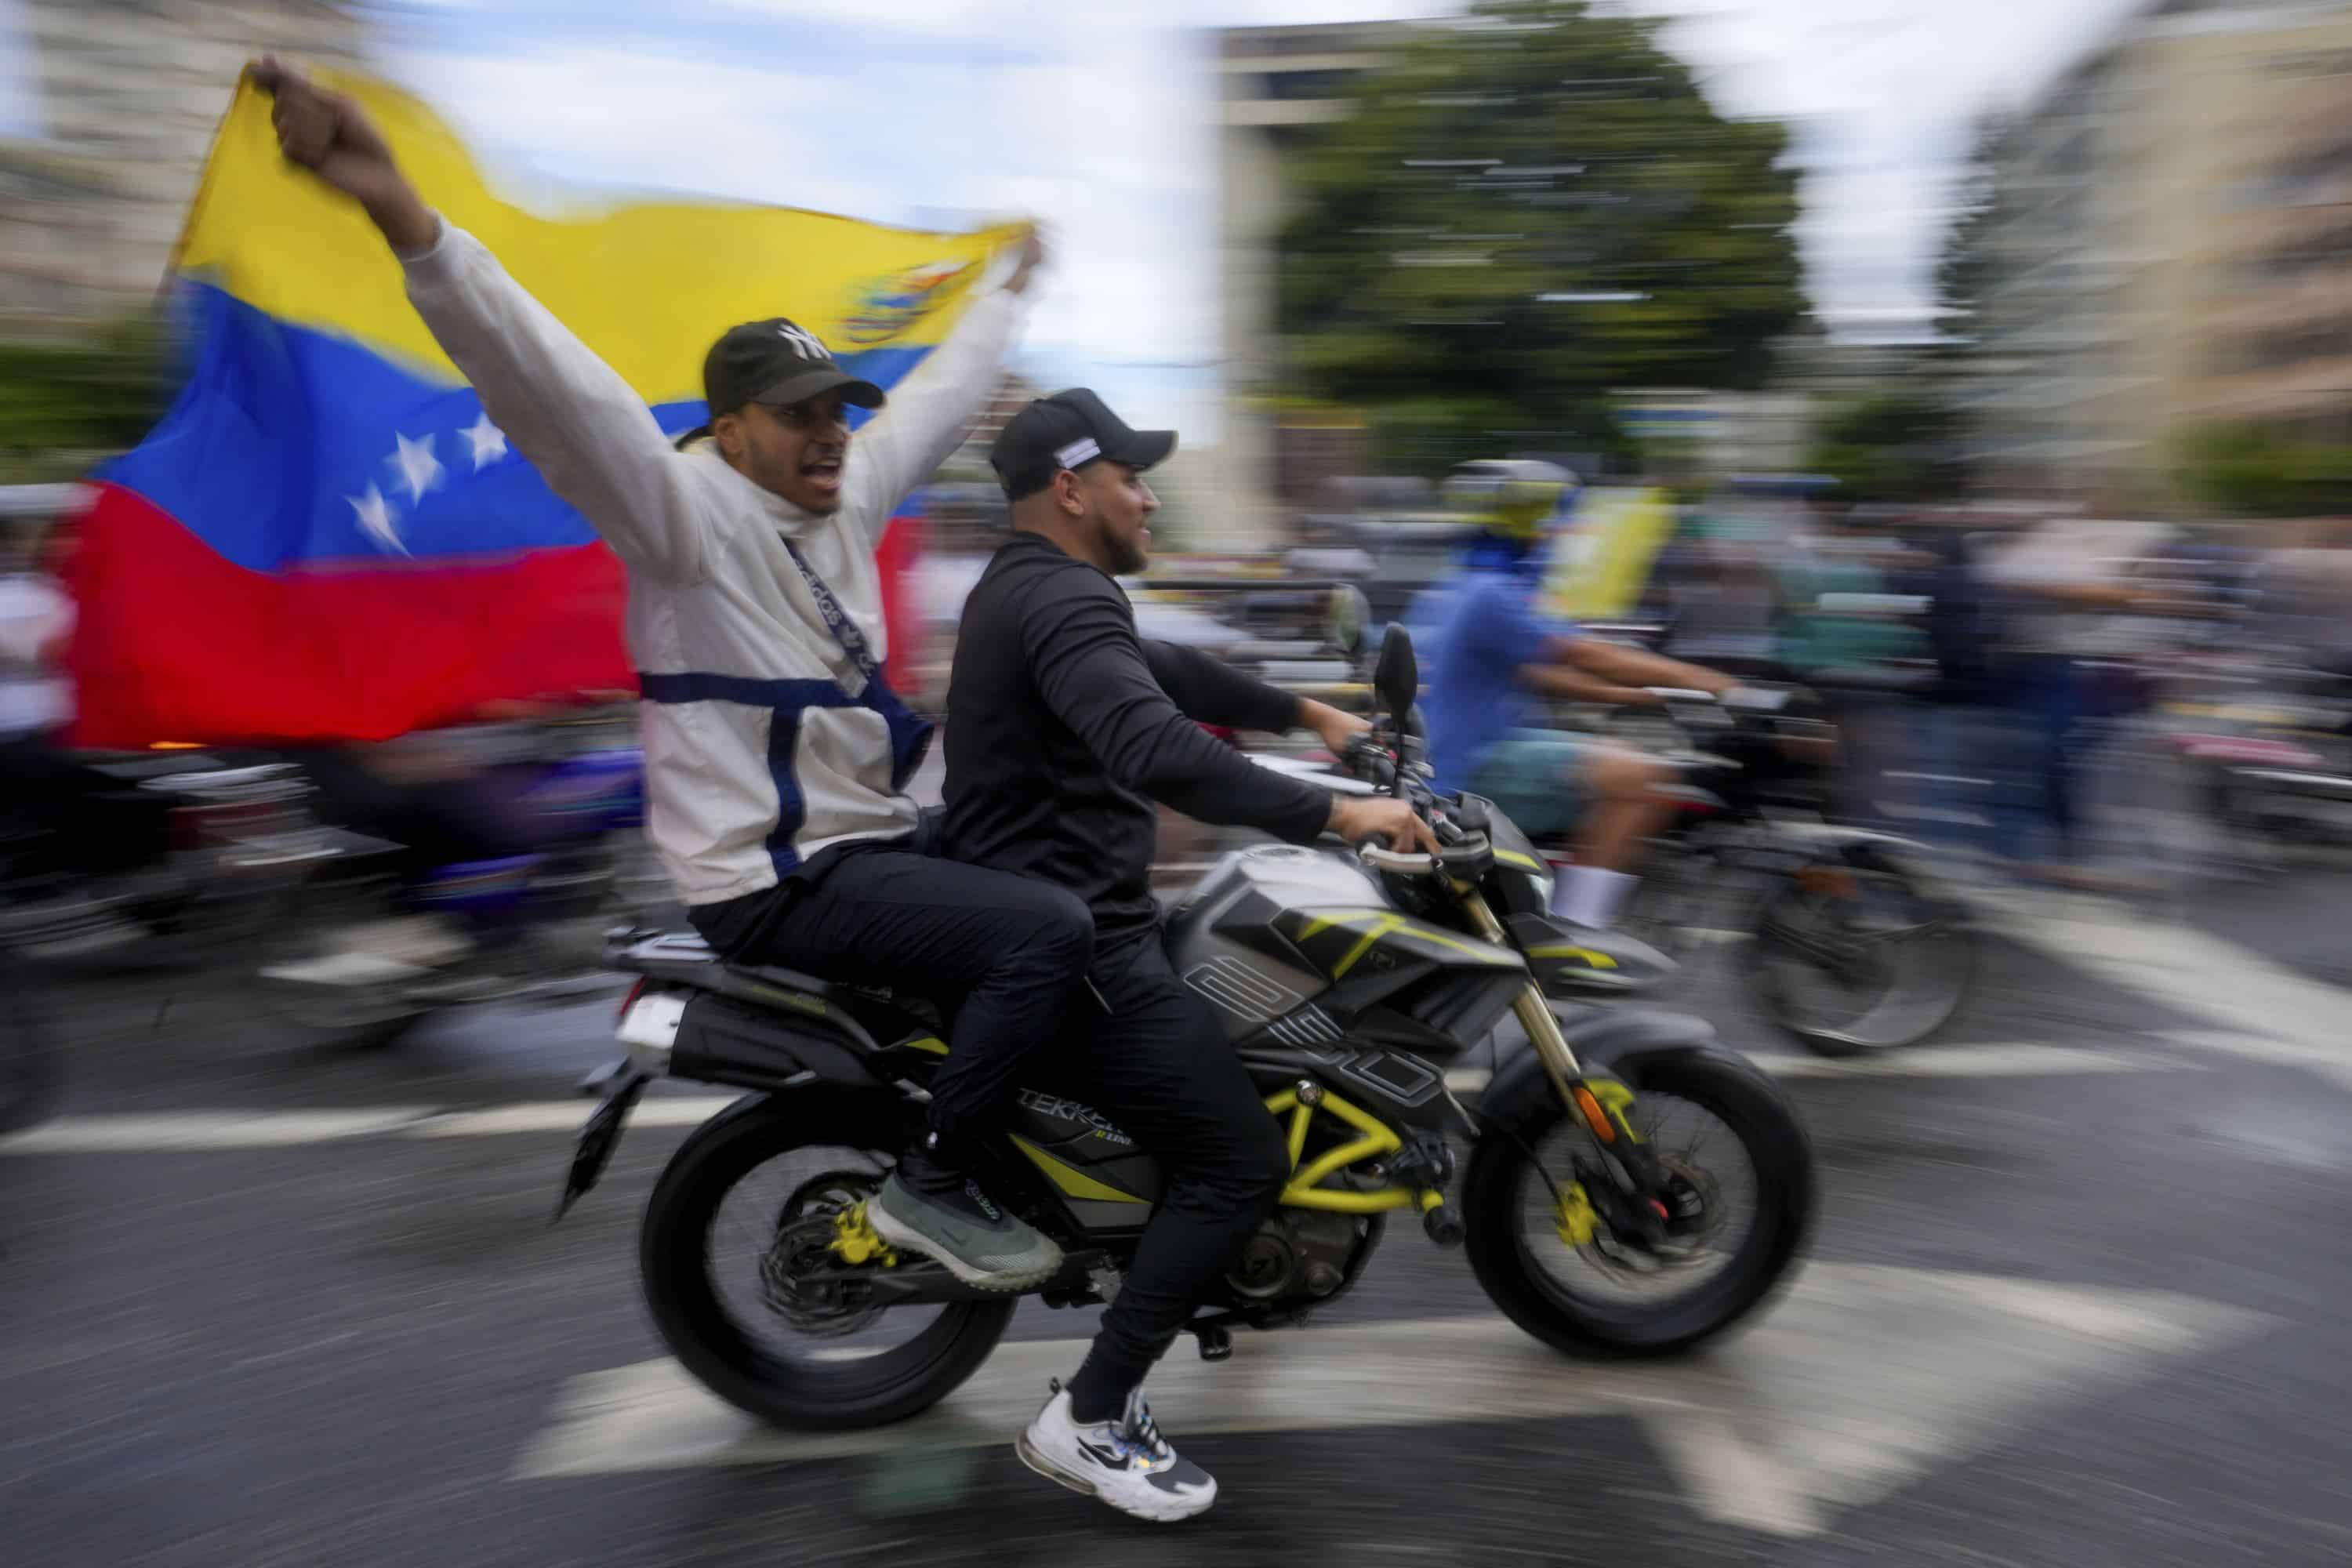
[{"x": 1126, "y": 1462}]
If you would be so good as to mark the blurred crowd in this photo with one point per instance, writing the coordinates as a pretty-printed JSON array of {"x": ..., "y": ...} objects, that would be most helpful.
[{"x": 1998, "y": 675}]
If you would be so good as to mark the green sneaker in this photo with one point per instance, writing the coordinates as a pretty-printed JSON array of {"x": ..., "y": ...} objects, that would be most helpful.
[{"x": 966, "y": 1232}]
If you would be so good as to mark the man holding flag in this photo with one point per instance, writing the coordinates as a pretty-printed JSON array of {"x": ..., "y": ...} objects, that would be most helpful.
[{"x": 777, "y": 757}]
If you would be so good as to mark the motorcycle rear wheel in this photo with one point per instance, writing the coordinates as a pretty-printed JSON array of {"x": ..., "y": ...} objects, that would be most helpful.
[
  {"x": 682, "y": 1285},
  {"x": 1511, "y": 1264},
  {"x": 1924, "y": 976}
]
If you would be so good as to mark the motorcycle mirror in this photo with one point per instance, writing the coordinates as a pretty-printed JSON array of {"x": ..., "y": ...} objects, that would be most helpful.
[
  {"x": 1397, "y": 677},
  {"x": 1349, "y": 619}
]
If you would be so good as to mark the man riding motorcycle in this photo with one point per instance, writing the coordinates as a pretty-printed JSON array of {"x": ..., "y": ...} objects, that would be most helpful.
[
  {"x": 1066, "y": 727},
  {"x": 777, "y": 757},
  {"x": 1497, "y": 654}
]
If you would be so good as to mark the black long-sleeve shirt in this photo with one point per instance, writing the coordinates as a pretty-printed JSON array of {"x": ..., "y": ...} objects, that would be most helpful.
[{"x": 1064, "y": 726}]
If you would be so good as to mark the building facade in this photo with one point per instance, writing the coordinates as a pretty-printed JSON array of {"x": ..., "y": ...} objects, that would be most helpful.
[
  {"x": 129, "y": 92},
  {"x": 2170, "y": 249},
  {"x": 1275, "y": 85}
]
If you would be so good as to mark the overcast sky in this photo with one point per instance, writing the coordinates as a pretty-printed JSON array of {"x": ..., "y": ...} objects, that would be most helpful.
[{"x": 1097, "y": 115}]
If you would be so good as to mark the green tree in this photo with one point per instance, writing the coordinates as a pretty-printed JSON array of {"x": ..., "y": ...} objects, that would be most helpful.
[
  {"x": 2254, "y": 471},
  {"x": 63, "y": 403},
  {"x": 1964, "y": 270},
  {"x": 1527, "y": 210},
  {"x": 1890, "y": 447}
]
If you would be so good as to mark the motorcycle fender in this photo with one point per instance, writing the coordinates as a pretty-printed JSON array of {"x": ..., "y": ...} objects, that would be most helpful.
[
  {"x": 1611, "y": 1043},
  {"x": 811, "y": 1102},
  {"x": 722, "y": 1040}
]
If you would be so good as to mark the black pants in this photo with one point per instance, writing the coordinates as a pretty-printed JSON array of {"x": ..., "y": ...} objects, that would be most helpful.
[
  {"x": 1159, "y": 1066},
  {"x": 1003, "y": 955}
]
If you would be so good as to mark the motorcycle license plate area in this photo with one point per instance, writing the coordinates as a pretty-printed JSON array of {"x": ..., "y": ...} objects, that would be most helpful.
[{"x": 601, "y": 1135}]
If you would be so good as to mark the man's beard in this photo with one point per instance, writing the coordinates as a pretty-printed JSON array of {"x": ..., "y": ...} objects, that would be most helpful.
[{"x": 1128, "y": 554}]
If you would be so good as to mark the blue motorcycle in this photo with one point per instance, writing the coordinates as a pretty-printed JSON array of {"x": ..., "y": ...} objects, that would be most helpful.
[{"x": 493, "y": 871}]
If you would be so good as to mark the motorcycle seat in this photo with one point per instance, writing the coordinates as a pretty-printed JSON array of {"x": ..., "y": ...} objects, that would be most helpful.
[{"x": 677, "y": 955}]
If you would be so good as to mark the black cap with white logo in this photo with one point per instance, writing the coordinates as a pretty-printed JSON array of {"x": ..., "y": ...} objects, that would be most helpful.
[
  {"x": 776, "y": 363},
  {"x": 1069, "y": 430}
]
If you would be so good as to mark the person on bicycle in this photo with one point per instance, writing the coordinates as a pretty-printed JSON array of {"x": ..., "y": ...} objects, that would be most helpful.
[
  {"x": 1066, "y": 728},
  {"x": 1499, "y": 655},
  {"x": 777, "y": 757}
]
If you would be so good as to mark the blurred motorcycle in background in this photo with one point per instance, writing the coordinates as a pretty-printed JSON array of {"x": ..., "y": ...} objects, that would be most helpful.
[
  {"x": 1847, "y": 937},
  {"x": 504, "y": 852},
  {"x": 212, "y": 850}
]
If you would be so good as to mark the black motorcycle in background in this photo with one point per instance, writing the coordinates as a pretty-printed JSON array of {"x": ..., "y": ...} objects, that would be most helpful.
[
  {"x": 142, "y": 859},
  {"x": 1849, "y": 943}
]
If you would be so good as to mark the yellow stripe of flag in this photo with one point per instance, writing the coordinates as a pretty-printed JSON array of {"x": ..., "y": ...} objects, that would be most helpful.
[{"x": 649, "y": 285}]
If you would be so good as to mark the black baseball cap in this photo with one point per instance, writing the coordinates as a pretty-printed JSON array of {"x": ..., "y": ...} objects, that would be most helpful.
[
  {"x": 776, "y": 363},
  {"x": 1069, "y": 430}
]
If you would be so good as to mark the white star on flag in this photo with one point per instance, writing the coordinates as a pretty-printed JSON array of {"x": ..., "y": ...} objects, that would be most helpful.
[
  {"x": 376, "y": 519},
  {"x": 489, "y": 441},
  {"x": 420, "y": 470}
]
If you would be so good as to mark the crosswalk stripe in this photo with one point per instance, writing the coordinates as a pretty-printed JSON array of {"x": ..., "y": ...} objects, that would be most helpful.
[
  {"x": 171, "y": 1130},
  {"x": 1825, "y": 1404},
  {"x": 2015, "y": 1059},
  {"x": 2260, "y": 1009},
  {"x": 180, "y": 1131},
  {"x": 175, "y": 1132}
]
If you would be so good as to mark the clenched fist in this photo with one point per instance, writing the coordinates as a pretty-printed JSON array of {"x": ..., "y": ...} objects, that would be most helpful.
[{"x": 328, "y": 134}]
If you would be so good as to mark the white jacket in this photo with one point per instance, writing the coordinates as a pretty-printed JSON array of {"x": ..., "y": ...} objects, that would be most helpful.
[{"x": 764, "y": 744}]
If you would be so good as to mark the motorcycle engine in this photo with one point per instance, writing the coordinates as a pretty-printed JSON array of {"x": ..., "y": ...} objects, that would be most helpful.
[{"x": 1298, "y": 1254}]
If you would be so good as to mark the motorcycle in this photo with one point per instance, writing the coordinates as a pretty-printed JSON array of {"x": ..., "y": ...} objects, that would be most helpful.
[
  {"x": 1849, "y": 943},
  {"x": 1631, "y": 1189},
  {"x": 370, "y": 953},
  {"x": 2268, "y": 764},
  {"x": 233, "y": 837},
  {"x": 237, "y": 838}
]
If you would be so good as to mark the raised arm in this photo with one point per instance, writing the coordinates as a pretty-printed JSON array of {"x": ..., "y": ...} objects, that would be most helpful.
[
  {"x": 585, "y": 430},
  {"x": 929, "y": 412}
]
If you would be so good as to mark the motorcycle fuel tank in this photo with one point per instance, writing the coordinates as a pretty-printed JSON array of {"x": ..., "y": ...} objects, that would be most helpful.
[{"x": 1294, "y": 944}]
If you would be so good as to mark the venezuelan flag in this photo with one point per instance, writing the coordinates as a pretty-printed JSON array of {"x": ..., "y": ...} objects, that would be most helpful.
[{"x": 326, "y": 537}]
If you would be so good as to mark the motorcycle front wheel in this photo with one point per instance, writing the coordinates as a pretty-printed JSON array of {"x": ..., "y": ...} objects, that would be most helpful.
[
  {"x": 735, "y": 1234},
  {"x": 1741, "y": 1170}
]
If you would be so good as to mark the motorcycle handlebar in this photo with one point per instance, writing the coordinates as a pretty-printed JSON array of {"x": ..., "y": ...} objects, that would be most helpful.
[{"x": 1380, "y": 857}]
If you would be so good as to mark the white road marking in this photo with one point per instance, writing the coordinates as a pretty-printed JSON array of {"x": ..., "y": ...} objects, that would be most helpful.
[
  {"x": 1730, "y": 1479},
  {"x": 2260, "y": 1010},
  {"x": 1970, "y": 1060},
  {"x": 2018, "y": 1060},
  {"x": 181, "y": 1131},
  {"x": 178, "y": 1131},
  {"x": 1858, "y": 1381},
  {"x": 566, "y": 1116},
  {"x": 172, "y": 1131}
]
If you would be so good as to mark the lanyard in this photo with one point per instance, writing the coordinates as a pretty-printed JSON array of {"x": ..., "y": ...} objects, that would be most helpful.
[{"x": 836, "y": 621}]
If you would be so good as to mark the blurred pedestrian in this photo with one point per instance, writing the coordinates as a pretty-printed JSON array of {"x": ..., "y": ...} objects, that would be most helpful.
[{"x": 2059, "y": 586}]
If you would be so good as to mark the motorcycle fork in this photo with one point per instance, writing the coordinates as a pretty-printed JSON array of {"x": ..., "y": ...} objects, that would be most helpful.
[{"x": 1601, "y": 1104}]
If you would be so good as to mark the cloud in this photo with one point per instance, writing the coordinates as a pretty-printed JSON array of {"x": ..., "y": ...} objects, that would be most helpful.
[
  {"x": 1106, "y": 145},
  {"x": 1884, "y": 95},
  {"x": 1098, "y": 117}
]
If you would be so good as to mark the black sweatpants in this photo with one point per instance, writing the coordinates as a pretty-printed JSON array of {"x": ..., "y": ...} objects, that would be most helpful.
[
  {"x": 1003, "y": 955},
  {"x": 1159, "y": 1066}
]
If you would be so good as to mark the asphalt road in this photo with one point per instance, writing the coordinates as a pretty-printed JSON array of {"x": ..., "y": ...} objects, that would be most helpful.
[{"x": 2077, "y": 1298}]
